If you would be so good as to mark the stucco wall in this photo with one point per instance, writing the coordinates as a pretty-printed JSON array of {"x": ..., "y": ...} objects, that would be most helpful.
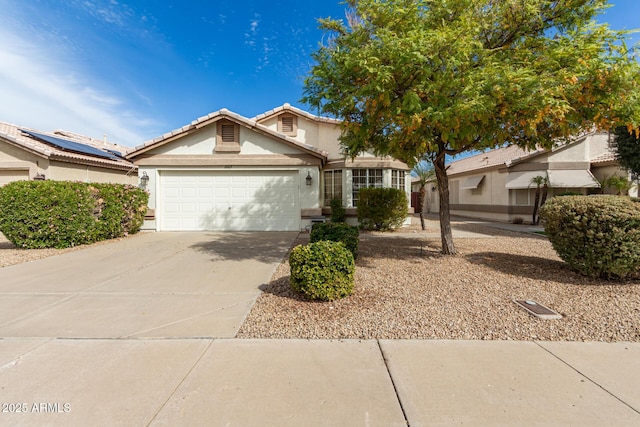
[
  {"x": 252, "y": 143},
  {"x": 13, "y": 158},
  {"x": 199, "y": 142},
  {"x": 62, "y": 171},
  {"x": 593, "y": 146},
  {"x": 491, "y": 190}
]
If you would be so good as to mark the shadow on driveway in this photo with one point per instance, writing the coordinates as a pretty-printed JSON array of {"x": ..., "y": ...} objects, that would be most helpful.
[{"x": 264, "y": 247}]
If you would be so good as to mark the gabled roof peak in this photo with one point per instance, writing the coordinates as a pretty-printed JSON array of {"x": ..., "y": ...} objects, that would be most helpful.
[
  {"x": 223, "y": 113},
  {"x": 288, "y": 108}
]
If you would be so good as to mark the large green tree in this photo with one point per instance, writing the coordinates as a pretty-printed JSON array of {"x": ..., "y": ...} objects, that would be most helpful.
[
  {"x": 628, "y": 149},
  {"x": 414, "y": 78}
]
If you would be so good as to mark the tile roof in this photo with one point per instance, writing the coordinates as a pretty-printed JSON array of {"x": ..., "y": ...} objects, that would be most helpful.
[
  {"x": 491, "y": 159},
  {"x": 13, "y": 135},
  {"x": 218, "y": 115},
  {"x": 506, "y": 156},
  {"x": 289, "y": 108},
  {"x": 605, "y": 158}
]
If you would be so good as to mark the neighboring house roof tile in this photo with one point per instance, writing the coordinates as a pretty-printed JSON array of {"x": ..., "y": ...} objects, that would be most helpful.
[
  {"x": 490, "y": 159},
  {"x": 13, "y": 135},
  {"x": 219, "y": 115},
  {"x": 510, "y": 155},
  {"x": 605, "y": 158}
]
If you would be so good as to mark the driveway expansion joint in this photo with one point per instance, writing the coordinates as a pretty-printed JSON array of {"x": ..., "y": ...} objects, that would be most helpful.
[{"x": 393, "y": 384}]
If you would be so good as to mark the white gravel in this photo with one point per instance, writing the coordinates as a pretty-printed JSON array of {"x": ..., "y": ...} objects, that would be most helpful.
[{"x": 404, "y": 288}]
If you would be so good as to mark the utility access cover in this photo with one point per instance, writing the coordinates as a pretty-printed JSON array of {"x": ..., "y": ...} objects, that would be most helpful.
[{"x": 536, "y": 309}]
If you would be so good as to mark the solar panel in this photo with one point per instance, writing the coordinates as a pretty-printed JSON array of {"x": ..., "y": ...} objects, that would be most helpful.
[
  {"x": 114, "y": 152},
  {"x": 66, "y": 145}
]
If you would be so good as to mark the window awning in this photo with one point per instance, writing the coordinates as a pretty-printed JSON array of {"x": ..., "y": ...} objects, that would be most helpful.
[
  {"x": 472, "y": 182},
  {"x": 575, "y": 178}
]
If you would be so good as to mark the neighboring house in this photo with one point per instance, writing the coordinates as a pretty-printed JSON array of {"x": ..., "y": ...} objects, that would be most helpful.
[
  {"x": 274, "y": 172},
  {"x": 63, "y": 156},
  {"x": 498, "y": 184}
]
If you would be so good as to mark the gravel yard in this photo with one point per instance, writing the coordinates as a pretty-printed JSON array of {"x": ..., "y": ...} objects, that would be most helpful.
[{"x": 406, "y": 289}]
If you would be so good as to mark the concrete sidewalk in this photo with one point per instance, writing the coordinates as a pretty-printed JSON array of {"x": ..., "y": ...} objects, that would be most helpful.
[{"x": 192, "y": 382}]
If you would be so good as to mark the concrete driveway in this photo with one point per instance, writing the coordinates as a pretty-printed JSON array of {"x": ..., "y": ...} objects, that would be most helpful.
[{"x": 156, "y": 285}]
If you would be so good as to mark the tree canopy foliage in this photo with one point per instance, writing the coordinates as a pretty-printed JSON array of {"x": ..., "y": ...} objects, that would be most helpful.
[
  {"x": 628, "y": 150},
  {"x": 414, "y": 78}
]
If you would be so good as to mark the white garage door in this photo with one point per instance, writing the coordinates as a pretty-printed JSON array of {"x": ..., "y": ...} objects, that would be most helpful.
[{"x": 233, "y": 200}]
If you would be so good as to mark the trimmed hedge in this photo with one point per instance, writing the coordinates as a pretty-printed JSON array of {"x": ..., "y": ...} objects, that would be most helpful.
[
  {"x": 599, "y": 236},
  {"x": 322, "y": 270},
  {"x": 336, "y": 232},
  {"x": 382, "y": 208},
  {"x": 61, "y": 214}
]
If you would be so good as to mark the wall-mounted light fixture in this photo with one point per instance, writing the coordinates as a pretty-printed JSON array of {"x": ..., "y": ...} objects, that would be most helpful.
[
  {"x": 308, "y": 178},
  {"x": 144, "y": 179}
]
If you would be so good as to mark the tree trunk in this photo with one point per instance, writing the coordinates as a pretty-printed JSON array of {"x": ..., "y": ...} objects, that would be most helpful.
[
  {"x": 536, "y": 200},
  {"x": 421, "y": 206},
  {"x": 446, "y": 235},
  {"x": 543, "y": 199}
]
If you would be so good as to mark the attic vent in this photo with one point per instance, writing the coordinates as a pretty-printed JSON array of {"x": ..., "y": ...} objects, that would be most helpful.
[
  {"x": 228, "y": 133},
  {"x": 287, "y": 124}
]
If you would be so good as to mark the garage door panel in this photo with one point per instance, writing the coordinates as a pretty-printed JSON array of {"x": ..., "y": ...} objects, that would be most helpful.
[
  {"x": 230, "y": 200},
  {"x": 172, "y": 208},
  {"x": 171, "y": 192},
  {"x": 205, "y": 193}
]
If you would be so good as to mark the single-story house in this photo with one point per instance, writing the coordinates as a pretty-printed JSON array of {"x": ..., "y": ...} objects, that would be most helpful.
[
  {"x": 274, "y": 172},
  {"x": 63, "y": 156},
  {"x": 498, "y": 184}
]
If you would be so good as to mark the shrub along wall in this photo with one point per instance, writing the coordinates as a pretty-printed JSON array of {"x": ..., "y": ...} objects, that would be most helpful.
[
  {"x": 61, "y": 214},
  {"x": 382, "y": 208},
  {"x": 336, "y": 232},
  {"x": 599, "y": 236}
]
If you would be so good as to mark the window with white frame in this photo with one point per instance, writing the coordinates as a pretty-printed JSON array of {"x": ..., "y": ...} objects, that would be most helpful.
[
  {"x": 332, "y": 186},
  {"x": 397, "y": 179},
  {"x": 365, "y": 178}
]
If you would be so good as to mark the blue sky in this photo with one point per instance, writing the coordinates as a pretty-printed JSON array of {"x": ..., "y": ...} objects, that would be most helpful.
[{"x": 135, "y": 69}]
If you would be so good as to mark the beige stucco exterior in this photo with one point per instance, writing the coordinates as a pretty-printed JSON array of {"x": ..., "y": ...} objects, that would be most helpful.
[
  {"x": 505, "y": 191},
  {"x": 306, "y": 151},
  {"x": 18, "y": 163}
]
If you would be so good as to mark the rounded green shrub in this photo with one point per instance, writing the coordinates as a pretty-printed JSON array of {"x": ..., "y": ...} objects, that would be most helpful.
[
  {"x": 336, "y": 232},
  {"x": 322, "y": 270},
  {"x": 382, "y": 208},
  {"x": 61, "y": 214},
  {"x": 599, "y": 236}
]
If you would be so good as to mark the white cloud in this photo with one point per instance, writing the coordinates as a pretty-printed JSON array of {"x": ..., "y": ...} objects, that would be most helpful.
[
  {"x": 250, "y": 36},
  {"x": 110, "y": 12},
  {"x": 44, "y": 90}
]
